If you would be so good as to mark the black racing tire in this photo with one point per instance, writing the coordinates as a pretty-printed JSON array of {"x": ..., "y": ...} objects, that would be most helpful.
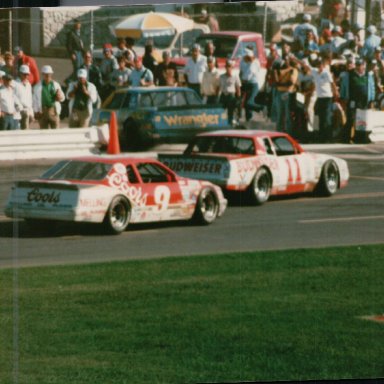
[
  {"x": 260, "y": 188},
  {"x": 118, "y": 215},
  {"x": 329, "y": 179},
  {"x": 207, "y": 207}
]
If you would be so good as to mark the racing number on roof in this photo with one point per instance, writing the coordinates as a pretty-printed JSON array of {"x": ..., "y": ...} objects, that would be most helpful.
[{"x": 162, "y": 196}]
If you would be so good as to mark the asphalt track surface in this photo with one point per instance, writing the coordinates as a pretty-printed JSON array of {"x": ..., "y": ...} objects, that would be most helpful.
[{"x": 354, "y": 216}]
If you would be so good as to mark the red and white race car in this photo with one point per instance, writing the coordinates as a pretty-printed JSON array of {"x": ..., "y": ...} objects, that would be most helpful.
[
  {"x": 263, "y": 163},
  {"x": 115, "y": 191}
]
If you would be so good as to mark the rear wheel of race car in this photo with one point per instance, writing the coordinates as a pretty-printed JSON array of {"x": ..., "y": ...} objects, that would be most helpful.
[
  {"x": 260, "y": 188},
  {"x": 118, "y": 215},
  {"x": 207, "y": 207},
  {"x": 329, "y": 179}
]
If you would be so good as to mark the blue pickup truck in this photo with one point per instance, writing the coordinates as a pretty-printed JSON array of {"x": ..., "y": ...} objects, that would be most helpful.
[{"x": 160, "y": 114}]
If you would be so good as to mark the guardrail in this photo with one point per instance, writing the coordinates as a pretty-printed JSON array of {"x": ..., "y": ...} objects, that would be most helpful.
[{"x": 52, "y": 143}]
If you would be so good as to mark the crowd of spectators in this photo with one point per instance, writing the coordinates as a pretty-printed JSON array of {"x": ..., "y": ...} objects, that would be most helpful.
[{"x": 336, "y": 68}]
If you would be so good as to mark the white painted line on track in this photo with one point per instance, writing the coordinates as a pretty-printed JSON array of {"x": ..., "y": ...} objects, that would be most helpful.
[
  {"x": 341, "y": 219},
  {"x": 368, "y": 178}
]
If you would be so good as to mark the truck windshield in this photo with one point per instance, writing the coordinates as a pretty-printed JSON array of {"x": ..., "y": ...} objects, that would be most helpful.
[
  {"x": 222, "y": 144},
  {"x": 77, "y": 170},
  {"x": 224, "y": 45},
  {"x": 160, "y": 42}
]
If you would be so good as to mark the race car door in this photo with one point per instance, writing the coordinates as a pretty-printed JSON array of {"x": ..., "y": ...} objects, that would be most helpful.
[
  {"x": 164, "y": 198},
  {"x": 295, "y": 168}
]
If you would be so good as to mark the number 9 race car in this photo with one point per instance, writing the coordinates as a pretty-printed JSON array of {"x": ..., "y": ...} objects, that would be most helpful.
[
  {"x": 114, "y": 191},
  {"x": 261, "y": 163}
]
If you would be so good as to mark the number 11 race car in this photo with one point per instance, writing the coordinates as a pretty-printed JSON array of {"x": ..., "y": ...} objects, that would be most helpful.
[
  {"x": 261, "y": 163},
  {"x": 114, "y": 191}
]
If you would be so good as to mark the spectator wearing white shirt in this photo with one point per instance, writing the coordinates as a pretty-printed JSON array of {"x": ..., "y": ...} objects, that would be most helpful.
[
  {"x": 23, "y": 90},
  {"x": 325, "y": 89},
  {"x": 338, "y": 42},
  {"x": 210, "y": 84},
  {"x": 195, "y": 68},
  {"x": 47, "y": 99},
  {"x": 249, "y": 73},
  {"x": 9, "y": 105},
  {"x": 82, "y": 94}
]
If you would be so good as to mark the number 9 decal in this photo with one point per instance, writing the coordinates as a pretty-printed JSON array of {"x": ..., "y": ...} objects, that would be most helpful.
[{"x": 162, "y": 196}]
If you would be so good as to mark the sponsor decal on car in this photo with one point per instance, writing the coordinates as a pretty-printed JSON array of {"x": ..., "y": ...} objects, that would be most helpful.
[
  {"x": 35, "y": 196},
  {"x": 202, "y": 120},
  {"x": 118, "y": 179}
]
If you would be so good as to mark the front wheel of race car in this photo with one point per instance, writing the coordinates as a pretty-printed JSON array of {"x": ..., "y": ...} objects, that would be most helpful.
[
  {"x": 207, "y": 207},
  {"x": 329, "y": 179},
  {"x": 118, "y": 215},
  {"x": 260, "y": 188}
]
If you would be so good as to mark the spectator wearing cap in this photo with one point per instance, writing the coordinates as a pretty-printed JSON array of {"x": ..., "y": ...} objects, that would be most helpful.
[
  {"x": 81, "y": 94},
  {"x": 107, "y": 66},
  {"x": 357, "y": 90},
  {"x": 209, "y": 50},
  {"x": 249, "y": 77},
  {"x": 8, "y": 66},
  {"x": 166, "y": 73},
  {"x": 286, "y": 85},
  {"x": 371, "y": 42},
  {"x": 22, "y": 59},
  {"x": 140, "y": 76},
  {"x": 9, "y": 104},
  {"x": 93, "y": 71},
  {"x": 75, "y": 45},
  {"x": 338, "y": 42},
  {"x": 108, "y": 63},
  {"x": 119, "y": 77},
  {"x": 299, "y": 33},
  {"x": 23, "y": 90},
  {"x": 230, "y": 91},
  {"x": 194, "y": 69},
  {"x": 211, "y": 82},
  {"x": 150, "y": 59},
  {"x": 47, "y": 96},
  {"x": 326, "y": 46}
]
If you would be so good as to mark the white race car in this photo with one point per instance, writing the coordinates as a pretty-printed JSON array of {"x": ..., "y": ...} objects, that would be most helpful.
[
  {"x": 263, "y": 163},
  {"x": 115, "y": 191}
]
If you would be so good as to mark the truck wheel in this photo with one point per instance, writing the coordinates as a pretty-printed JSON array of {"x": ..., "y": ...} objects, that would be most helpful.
[
  {"x": 118, "y": 215},
  {"x": 329, "y": 179},
  {"x": 207, "y": 207},
  {"x": 260, "y": 188}
]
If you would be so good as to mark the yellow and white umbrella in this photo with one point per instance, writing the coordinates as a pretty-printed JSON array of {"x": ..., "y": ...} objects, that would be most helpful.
[{"x": 151, "y": 24}]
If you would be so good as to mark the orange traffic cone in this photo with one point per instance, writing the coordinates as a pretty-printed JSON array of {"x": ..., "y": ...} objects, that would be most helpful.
[{"x": 113, "y": 144}]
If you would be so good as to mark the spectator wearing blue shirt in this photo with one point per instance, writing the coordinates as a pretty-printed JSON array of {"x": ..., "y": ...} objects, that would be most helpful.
[
  {"x": 371, "y": 42},
  {"x": 299, "y": 33},
  {"x": 249, "y": 72},
  {"x": 140, "y": 76}
]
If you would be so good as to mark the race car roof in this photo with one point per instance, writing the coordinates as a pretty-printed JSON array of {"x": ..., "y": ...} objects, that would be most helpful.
[{"x": 250, "y": 133}]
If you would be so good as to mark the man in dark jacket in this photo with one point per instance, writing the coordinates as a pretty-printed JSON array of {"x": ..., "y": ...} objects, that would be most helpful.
[{"x": 75, "y": 46}]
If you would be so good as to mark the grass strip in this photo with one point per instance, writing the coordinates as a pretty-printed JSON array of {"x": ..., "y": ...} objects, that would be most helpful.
[{"x": 286, "y": 315}]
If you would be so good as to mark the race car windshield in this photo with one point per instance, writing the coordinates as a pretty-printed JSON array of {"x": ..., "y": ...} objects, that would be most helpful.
[
  {"x": 77, "y": 170},
  {"x": 228, "y": 145}
]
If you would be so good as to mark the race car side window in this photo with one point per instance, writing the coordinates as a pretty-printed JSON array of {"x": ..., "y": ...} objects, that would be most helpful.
[
  {"x": 283, "y": 146},
  {"x": 192, "y": 98},
  {"x": 145, "y": 100},
  {"x": 153, "y": 173},
  {"x": 132, "y": 177}
]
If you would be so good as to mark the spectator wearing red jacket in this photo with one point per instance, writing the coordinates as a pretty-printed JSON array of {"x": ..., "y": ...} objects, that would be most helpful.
[{"x": 22, "y": 59}]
